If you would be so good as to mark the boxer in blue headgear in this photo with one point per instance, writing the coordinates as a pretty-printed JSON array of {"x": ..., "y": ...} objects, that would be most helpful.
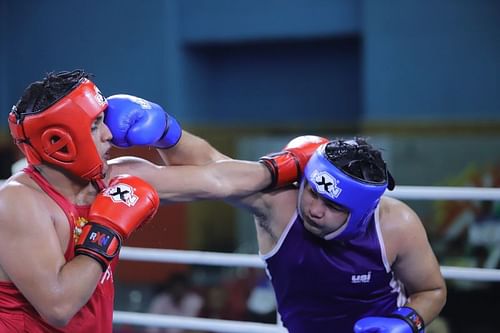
[
  {"x": 354, "y": 176},
  {"x": 341, "y": 256}
]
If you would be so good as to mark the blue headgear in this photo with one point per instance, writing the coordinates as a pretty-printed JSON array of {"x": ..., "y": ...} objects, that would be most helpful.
[{"x": 359, "y": 196}]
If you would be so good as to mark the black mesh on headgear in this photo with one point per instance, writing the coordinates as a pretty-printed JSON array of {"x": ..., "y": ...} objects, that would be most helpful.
[{"x": 360, "y": 160}]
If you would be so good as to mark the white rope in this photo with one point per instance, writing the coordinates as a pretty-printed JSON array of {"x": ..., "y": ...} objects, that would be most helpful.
[
  {"x": 439, "y": 192},
  {"x": 191, "y": 257},
  {"x": 190, "y": 323},
  {"x": 251, "y": 260},
  {"x": 471, "y": 274},
  {"x": 445, "y": 193}
]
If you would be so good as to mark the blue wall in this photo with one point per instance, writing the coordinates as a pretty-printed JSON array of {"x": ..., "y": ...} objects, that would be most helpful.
[
  {"x": 267, "y": 63},
  {"x": 3, "y": 60},
  {"x": 121, "y": 42},
  {"x": 208, "y": 21},
  {"x": 432, "y": 60},
  {"x": 276, "y": 83}
]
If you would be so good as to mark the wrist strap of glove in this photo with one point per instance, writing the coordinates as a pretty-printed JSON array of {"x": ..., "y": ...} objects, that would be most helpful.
[
  {"x": 284, "y": 168},
  {"x": 171, "y": 135},
  {"x": 98, "y": 242},
  {"x": 411, "y": 317}
]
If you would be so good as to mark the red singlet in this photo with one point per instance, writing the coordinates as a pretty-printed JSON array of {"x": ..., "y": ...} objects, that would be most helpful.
[{"x": 18, "y": 315}]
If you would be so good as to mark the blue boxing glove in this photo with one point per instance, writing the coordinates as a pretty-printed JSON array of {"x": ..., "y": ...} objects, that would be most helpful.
[
  {"x": 135, "y": 121},
  {"x": 403, "y": 320}
]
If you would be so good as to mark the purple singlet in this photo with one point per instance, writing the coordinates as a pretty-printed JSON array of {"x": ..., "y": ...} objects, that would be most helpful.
[{"x": 325, "y": 286}]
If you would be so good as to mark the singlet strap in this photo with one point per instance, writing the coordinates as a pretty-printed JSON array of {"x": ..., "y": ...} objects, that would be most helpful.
[{"x": 67, "y": 207}]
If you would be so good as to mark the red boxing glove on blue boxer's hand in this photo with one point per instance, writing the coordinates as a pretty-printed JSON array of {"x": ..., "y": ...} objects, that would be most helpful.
[
  {"x": 135, "y": 121},
  {"x": 287, "y": 166},
  {"x": 403, "y": 320}
]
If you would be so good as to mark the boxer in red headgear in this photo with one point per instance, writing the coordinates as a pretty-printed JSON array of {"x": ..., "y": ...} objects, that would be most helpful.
[
  {"x": 64, "y": 218},
  {"x": 60, "y": 134},
  {"x": 59, "y": 236}
]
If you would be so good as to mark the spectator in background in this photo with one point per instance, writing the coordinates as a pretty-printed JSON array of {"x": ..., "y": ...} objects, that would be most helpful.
[
  {"x": 261, "y": 303},
  {"x": 175, "y": 297}
]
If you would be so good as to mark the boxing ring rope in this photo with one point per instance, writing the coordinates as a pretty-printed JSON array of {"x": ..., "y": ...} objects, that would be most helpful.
[
  {"x": 190, "y": 323},
  {"x": 445, "y": 193},
  {"x": 250, "y": 260}
]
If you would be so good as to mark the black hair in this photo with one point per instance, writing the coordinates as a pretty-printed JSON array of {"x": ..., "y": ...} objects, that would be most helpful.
[
  {"x": 40, "y": 95},
  {"x": 360, "y": 160}
]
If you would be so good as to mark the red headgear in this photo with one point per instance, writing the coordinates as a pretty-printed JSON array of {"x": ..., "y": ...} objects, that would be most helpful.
[{"x": 61, "y": 134}]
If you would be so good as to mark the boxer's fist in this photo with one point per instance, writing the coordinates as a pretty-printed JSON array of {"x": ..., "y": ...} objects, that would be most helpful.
[
  {"x": 403, "y": 320},
  {"x": 382, "y": 325},
  {"x": 135, "y": 121},
  {"x": 286, "y": 167},
  {"x": 125, "y": 204},
  {"x": 117, "y": 211}
]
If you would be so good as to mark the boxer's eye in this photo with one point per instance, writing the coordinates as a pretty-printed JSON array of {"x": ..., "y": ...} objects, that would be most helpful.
[
  {"x": 336, "y": 207},
  {"x": 96, "y": 123}
]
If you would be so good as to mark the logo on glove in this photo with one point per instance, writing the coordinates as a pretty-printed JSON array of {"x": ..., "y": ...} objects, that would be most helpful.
[
  {"x": 122, "y": 193},
  {"x": 99, "y": 238},
  {"x": 141, "y": 102}
]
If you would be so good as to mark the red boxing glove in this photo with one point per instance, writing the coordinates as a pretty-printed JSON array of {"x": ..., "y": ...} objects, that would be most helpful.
[
  {"x": 117, "y": 211},
  {"x": 286, "y": 167}
]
